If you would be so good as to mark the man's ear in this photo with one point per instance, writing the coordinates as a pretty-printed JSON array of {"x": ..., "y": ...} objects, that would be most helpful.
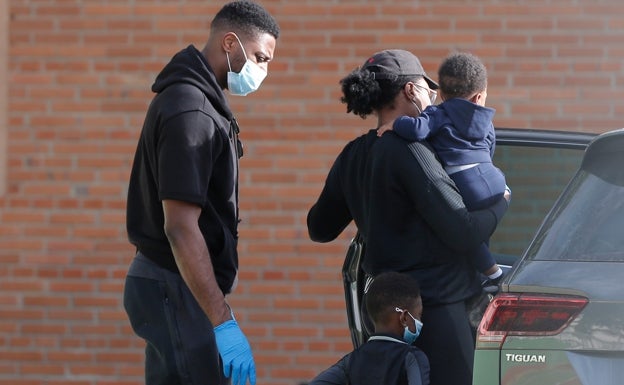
[{"x": 228, "y": 42}]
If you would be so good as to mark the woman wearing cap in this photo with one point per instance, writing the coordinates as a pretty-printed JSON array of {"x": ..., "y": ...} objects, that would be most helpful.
[{"x": 407, "y": 209}]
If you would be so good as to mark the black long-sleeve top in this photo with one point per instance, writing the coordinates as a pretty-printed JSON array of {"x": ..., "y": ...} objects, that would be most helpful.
[{"x": 409, "y": 213}]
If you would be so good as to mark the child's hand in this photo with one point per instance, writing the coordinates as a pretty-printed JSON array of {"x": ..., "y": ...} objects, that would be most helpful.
[{"x": 384, "y": 127}]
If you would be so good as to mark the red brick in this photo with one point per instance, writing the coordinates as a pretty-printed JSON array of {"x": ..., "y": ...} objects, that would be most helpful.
[{"x": 79, "y": 78}]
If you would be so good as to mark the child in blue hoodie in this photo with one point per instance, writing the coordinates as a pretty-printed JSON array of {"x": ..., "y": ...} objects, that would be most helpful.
[{"x": 461, "y": 132}]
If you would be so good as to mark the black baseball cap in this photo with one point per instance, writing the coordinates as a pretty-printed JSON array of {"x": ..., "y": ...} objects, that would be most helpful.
[{"x": 390, "y": 63}]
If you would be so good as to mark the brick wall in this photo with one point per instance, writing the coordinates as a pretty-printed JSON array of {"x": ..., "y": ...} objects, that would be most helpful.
[
  {"x": 4, "y": 59},
  {"x": 79, "y": 74}
]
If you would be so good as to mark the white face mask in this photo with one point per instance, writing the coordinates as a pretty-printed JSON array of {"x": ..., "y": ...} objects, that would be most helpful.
[
  {"x": 248, "y": 79},
  {"x": 417, "y": 108}
]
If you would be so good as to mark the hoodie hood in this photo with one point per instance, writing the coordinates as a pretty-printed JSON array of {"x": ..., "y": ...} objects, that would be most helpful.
[
  {"x": 190, "y": 66},
  {"x": 475, "y": 120}
]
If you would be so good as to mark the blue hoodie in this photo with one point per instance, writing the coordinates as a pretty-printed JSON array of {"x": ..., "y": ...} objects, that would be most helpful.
[{"x": 461, "y": 132}]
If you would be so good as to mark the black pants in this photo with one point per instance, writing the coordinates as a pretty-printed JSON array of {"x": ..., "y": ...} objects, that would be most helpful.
[
  {"x": 180, "y": 343},
  {"x": 448, "y": 341}
]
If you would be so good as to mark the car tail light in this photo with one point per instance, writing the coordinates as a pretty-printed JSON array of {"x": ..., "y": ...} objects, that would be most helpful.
[{"x": 524, "y": 314}]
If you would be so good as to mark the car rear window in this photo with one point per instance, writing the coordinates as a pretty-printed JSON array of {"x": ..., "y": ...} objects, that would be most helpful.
[{"x": 588, "y": 222}]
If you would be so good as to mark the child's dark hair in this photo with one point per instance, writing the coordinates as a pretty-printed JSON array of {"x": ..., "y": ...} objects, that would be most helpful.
[
  {"x": 462, "y": 75},
  {"x": 247, "y": 17},
  {"x": 390, "y": 290},
  {"x": 363, "y": 94}
]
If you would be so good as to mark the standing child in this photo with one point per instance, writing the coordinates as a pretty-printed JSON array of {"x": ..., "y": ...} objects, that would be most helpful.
[
  {"x": 461, "y": 132},
  {"x": 388, "y": 357}
]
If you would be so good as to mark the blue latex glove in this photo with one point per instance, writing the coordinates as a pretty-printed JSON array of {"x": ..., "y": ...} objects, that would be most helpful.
[{"x": 238, "y": 362}]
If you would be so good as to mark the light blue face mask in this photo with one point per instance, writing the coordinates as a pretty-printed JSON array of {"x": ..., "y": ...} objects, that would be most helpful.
[
  {"x": 408, "y": 336},
  {"x": 248, "y": 79}
]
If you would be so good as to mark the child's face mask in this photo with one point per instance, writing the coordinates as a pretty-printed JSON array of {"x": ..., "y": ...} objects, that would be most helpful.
[{"x": 408, "y": 336}]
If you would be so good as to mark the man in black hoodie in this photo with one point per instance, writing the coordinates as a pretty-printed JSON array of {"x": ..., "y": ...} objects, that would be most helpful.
[{"x": 182, "y": 209}]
